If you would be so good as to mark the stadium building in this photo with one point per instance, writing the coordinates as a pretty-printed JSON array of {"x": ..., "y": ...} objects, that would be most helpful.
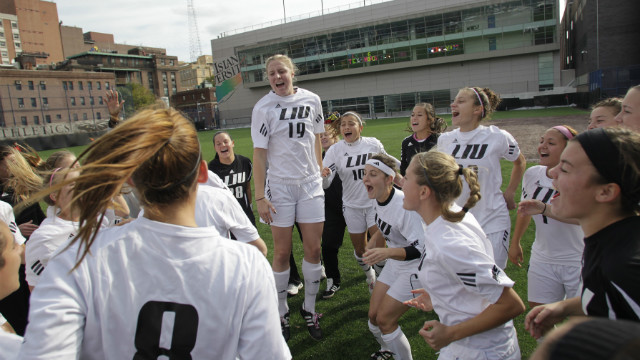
[{"x": 383, "y": 58}]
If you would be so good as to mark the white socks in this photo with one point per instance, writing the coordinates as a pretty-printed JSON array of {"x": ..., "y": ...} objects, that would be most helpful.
[
  {"x": 398, "y": 344},
  {"x": 312, "y": 274},
  {"x": 378, "y": 335},
  {"x": 282, "y": 281}
]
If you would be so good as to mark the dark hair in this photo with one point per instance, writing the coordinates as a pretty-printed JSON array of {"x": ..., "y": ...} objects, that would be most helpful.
[
  {"x": 336, "y": 124},
  {"x": 214, "y": 139},
  {"x": 441, "y": 173},
  {"x": 490, "y": 100},
  {"x": 387, "y": 160},
  {"x": 437, "y": 125}
]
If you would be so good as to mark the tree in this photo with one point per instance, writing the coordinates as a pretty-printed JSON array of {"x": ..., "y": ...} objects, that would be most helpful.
[{"x": 135, "y": 97}]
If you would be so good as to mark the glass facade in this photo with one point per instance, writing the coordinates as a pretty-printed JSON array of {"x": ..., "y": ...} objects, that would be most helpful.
[{"x": 508, "y": 25}]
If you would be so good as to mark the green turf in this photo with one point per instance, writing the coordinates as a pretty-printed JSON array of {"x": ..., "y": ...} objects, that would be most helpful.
[{"x": 345, "y": 315}]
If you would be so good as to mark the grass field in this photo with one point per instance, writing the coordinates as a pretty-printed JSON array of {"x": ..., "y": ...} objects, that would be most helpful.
[{"x": 345, "y": 315}]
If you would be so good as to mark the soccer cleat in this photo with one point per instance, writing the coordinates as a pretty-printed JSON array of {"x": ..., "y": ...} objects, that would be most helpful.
[
  {"x": 382, "y": 355},
  {"x": 331, "y": 289},
  {"x": 313, "y": 323},
  {"x": 323, "y": 274},
  {"x": 294, "y": 288},
  {"x": 286, "y": 327}
]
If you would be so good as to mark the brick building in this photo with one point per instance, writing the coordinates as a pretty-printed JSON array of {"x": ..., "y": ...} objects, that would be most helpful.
[
  {"x": 10, "y": 44},
  {"x": 34, "y": 99},
  {"x": 192, "y": 75},
  {"x": 199, "y": 105},
  {"x": 38, "y": 26}
]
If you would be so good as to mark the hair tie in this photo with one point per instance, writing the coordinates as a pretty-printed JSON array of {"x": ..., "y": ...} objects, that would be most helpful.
[
  {"x": 354, "y": 115},
  {"x": 52, "y": 175},
  {"x": 564, "y": 131},
  {"x": 465, "y": 209},
  {"x": 460, "y": 167},
  {"x": 479, "y": 99}
]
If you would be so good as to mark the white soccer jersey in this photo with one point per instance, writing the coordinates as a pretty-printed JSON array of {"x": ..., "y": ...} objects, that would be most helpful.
[
  {"x": 6, "y": 215},
  {"x": 9, "y": 345},
  {"x": 401, "y": 228},
  {"x": 458, "y": 271},
  {"x": 148, "y": 289},
  {"x": 348, "y": 160},
  {"x": 218, "y": 208},
  {"x": 481, "y": 150},
  {"x": 214, "y": 180},
  {"x": 286, "y": 126},
  {"x": 556, "y": 242},
  {"x": 45, "y": 240}
]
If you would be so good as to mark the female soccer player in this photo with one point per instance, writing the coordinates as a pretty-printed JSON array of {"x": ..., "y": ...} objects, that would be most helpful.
[
  {"x": 480, "y": 148},
  {"x": 603, "y": 113},
  {"x": 347, "y": 159},
  {"x": 402, "y": 230},
  {"x": 234, "y": 170},
  {"x": 10, "y": 260},
  {"x": 473, "y": 298},
  {"x": 629, "y": 117},
  {"x": 425, "y": 128},
  {"x": 123, "y": 292},
  {"x": 598, "y": 181},
  {"x": 55, "y": 230},
  {"x": 285, "y": 127},
  {"x": 556, "y": 254}
]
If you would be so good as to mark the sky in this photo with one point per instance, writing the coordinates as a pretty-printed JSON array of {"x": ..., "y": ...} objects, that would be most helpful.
[{"x": 164, "y": 23}]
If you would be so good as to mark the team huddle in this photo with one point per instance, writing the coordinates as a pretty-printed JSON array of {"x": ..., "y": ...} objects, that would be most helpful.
[{"x": 430, "y": 231}]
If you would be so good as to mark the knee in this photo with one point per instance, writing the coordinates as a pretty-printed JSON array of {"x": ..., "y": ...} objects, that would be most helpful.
[
  {"x": 372, "y": 317},
  {"x": 386, "y": 324}
]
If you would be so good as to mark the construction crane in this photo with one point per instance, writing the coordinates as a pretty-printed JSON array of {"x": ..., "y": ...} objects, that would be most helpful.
[{"x": 194, "y": 34}]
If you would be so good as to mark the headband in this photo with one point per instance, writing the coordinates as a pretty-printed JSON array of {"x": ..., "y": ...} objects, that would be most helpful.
[
  {"x": 604, "y": 155},
  {"x": 479, "y": 99},
  {"x": 52, "y": 175},
  {"x": 564, "y": 131},
  {"x": 381, "y": 166},
  {"x": 354, "y": 115}
]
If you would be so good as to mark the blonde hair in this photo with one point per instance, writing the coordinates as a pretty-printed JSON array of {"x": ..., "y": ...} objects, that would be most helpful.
[
  {"x": 614, "y": 103},
  {"x": 284, "y": 59},
  {"x": 24, "y": 180},
  {"x": 441, "y": 173},
  {"x": 331, "y": 132},
  {"x": 158, "y": 149}
]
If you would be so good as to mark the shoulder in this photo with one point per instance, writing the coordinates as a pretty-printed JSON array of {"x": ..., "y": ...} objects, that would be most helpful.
[
  {"x": 307, "y": 93},
  {"x": 447, "y": 136},
  {"x": 243, "y": 159},
  {"x": 371, "y": 141}
]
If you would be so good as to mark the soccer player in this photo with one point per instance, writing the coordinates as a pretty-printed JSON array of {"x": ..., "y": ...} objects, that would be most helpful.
[
  {"x": 347, "y": 159},
  {"x": 159, "y": 285},
  {"x": 629, "y": 117},
  {"x": 285, "y": 127},
  {"x": 425, "y": 128},
  {"x": 400, "y": 230},
  {"x": 603, "y": 113},
  {"x": 598, "y": 184},
  {"x": 480, "y": 148},
  {"x": 10, "y": 259},
  {"x": 472, "y": 296},
  {"x": 556, "y": 253}
]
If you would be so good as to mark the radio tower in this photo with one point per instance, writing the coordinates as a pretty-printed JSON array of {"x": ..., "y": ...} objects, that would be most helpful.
[{"x": 194, "y": 34}]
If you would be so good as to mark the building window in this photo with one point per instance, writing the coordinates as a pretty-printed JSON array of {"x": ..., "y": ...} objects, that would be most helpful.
[
  {"x": 73, "y": 101},
  {"x": 43, "y": 85},
  {"x": 33, "y": 102},
  {"x": 1, "y": 33},
  {"x": 18, "y": 85},
  {"x": 16, "y": 36},
  {"x": 162, "y": 61},
  {"x": 45, "y": 101},
  {"x": 84, "y": 116},
  {"x": 98, "y": 116},
  {"x": 23, "y": 120},
  {"x": 47, "y": 119},
  {"x": 36, "y": 120},
  {"x": 65, "y": 85},
  {"x": 82, "y": 101},
  {"x": 20, "y": 102},
  {"x": 30, "y": 84},
  {"x": 80, "y": 85},
  {"x": 75, "y": 117},
  {"x": 492, "y": 43},
  {"x": 171, "y": 62},
  {"x": 106, "y": 85},
  {"x": 100, "y": 100},
  {"x": 17, "y": 44},
  {"x": 91, "y": 101},
  {"x": 70, "y": 85},
  {"x": 58, "y": 117},
  {"x": 14, "y": 25},
  {"x": 98, "y": 85},
  {"x": 3, "y": 43},
  {"x": 89, "y": 85}
]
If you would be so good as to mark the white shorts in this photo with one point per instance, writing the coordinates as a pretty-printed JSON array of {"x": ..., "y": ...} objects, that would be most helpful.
[
  {"x": 500, "y": 243},
  {"x": 359, "y": 220},
  {"x": 455, "y": 351},
  {"x": 303, "y": 203},
  {"x": 400, "y": 282},
  {"x": 548, "y": 283}
]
